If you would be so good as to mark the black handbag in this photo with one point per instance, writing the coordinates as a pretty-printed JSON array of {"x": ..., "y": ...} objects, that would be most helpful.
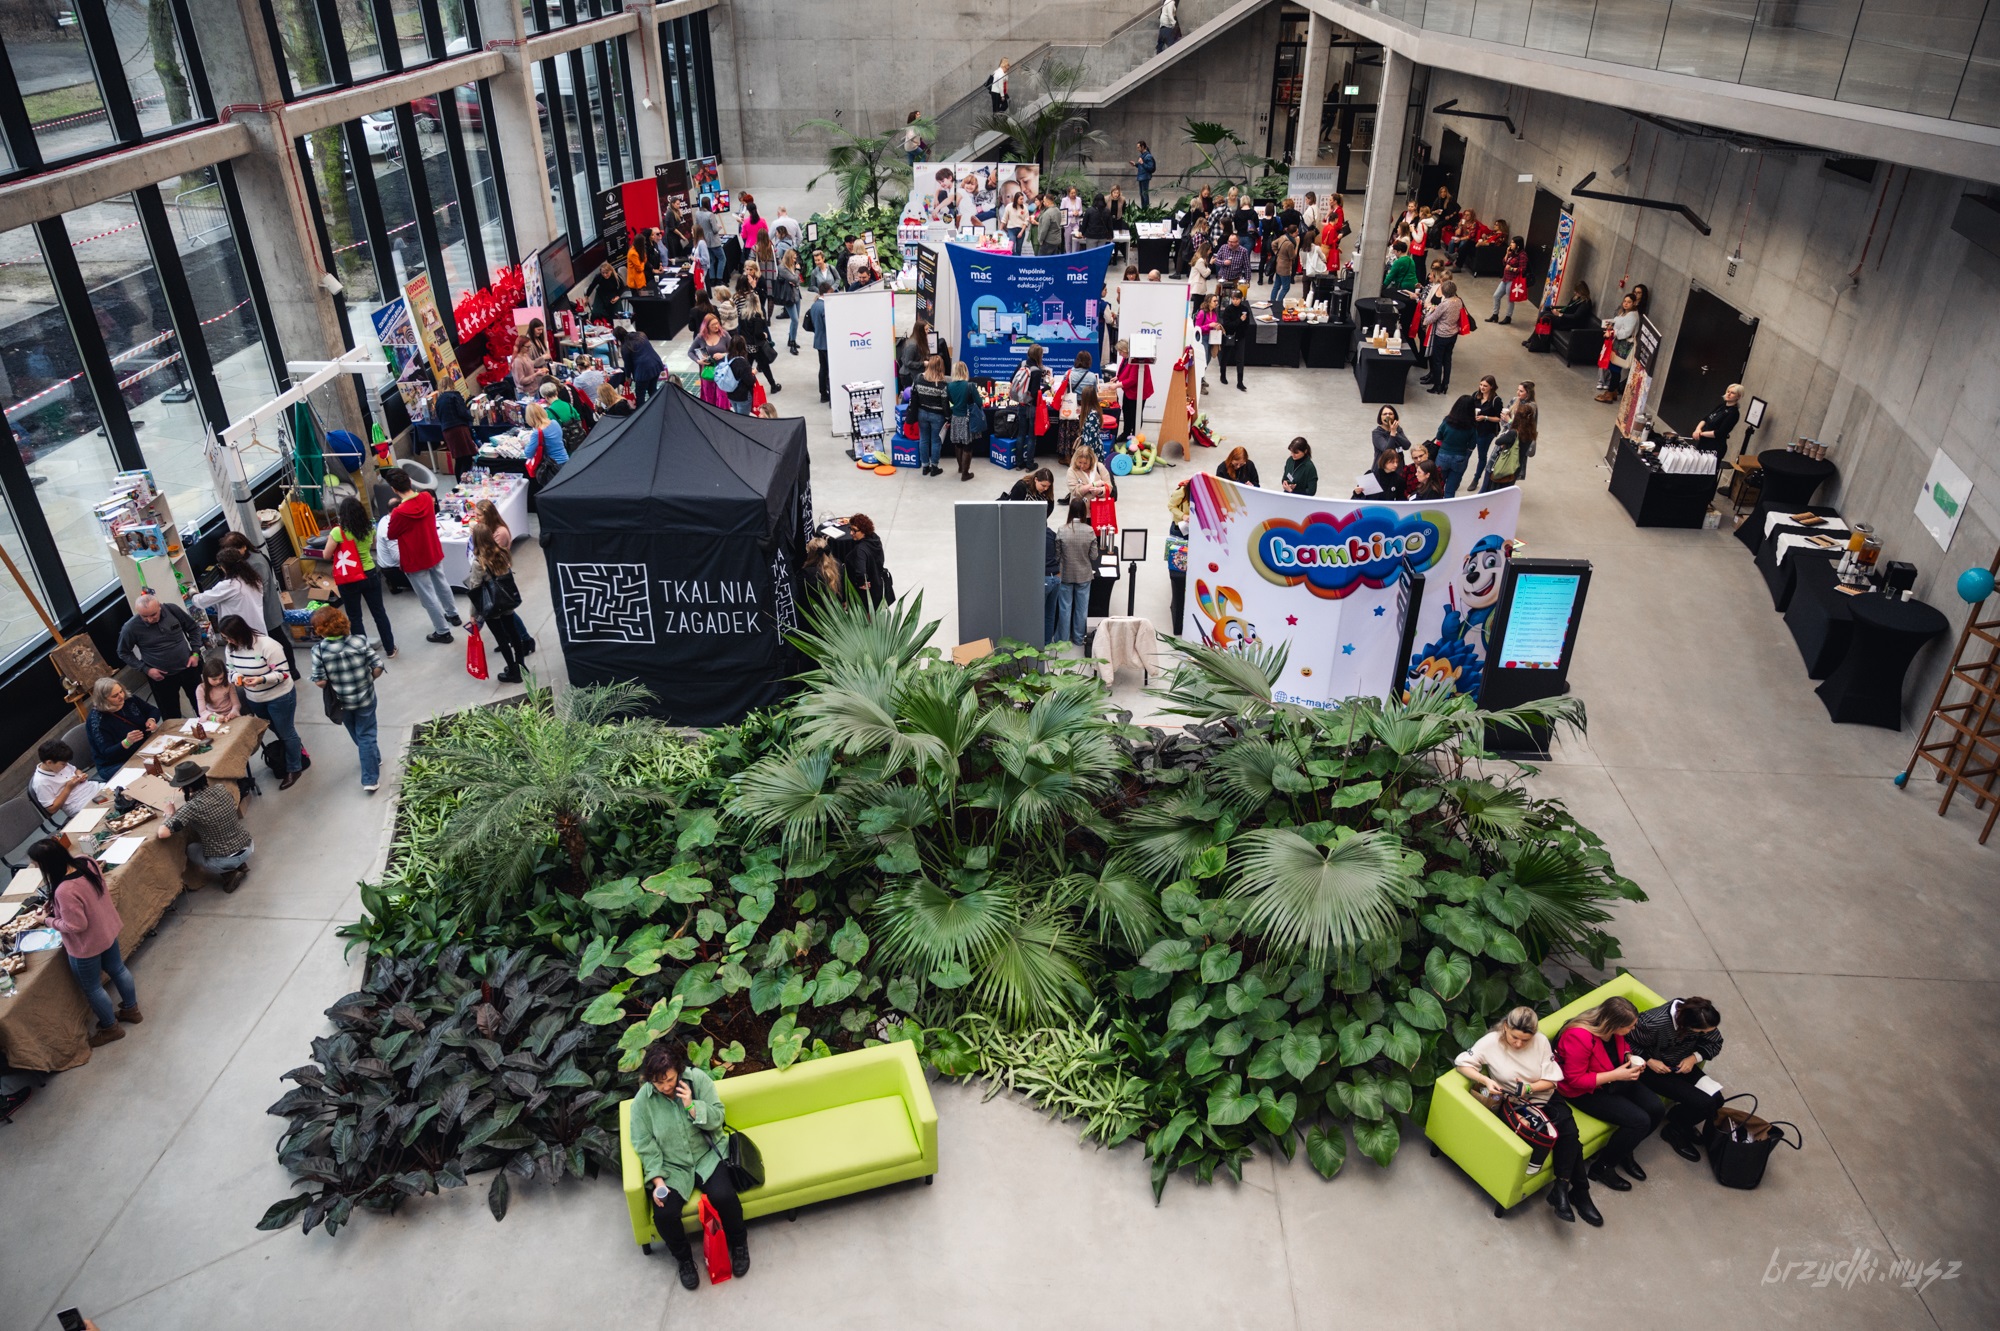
[
  {"x": 336, "y": 709},
  {"x": 1740, "y": 1144},
  {"x": 744, "y": 1162}
]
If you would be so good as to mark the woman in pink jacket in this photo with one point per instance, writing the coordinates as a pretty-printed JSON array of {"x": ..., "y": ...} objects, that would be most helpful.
[
  {"x": 84, "y": 914},
  {"x": 1601, "y": 1078}
]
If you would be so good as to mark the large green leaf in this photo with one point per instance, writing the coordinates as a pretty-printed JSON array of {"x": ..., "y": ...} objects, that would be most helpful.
[
  {"x": 1276, "y": 1112},
  {"x": 1361, "y": 1097},
  {"x": 1312, "y": 900},
  {"x": 1267, "y": 1062},
  {"x": 787, "y": 1037},
  {"x": 1504, "y": 947},
  {"x": 1447, "y": 973},
  {"x": 1228, "y": 1105},
  {"x": 1327, "y": 1150},
  {"x": 1170, "y": 955},
  {"x": 1201, "y": 1059},
  {"x": 1220, "y": 963},
  {"x": 1186, "y": 1013},
  {"x": 1422, "y": 1010},
  {"x": 1403, "y": 1045},
  {"x": 1378, "y": 1141},
  {"x": 1359, "y": 1043},
  {"x": 1300, "y": 1053},
  {"x": 849, "y": 942},
  {"x": 1231, "y": 1040}
]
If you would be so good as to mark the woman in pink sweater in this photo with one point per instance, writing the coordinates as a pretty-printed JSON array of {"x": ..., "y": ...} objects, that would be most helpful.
[
  {"x": 1601, "y": 1078},
  {"x": 84, "y": 914}
]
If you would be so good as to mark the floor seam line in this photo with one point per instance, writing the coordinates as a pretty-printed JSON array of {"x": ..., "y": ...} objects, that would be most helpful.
[{"x": 168, "y": 1145}]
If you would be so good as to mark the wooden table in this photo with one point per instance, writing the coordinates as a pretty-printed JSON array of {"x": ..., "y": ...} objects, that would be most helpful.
[{"x": 46, "y": 1025}]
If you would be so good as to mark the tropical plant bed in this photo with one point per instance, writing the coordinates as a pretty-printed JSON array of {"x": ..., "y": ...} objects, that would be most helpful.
[{"x": 1272, "y": 927}]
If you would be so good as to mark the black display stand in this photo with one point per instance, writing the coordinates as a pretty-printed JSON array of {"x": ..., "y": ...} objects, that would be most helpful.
[
  {"x": 1328, "y": 345},
  {"x": 1283, "y": 350},
  {"x": 1380, "y": 376},
  {"x": 665, "y": 317},
  {"x": 1153, "y": 255},
  {"x": 1657, "y": 498},
  {"x": 1866, "y": 688},
  {"x": 1821, "y": 617},
  {"x": 1510, "y": 682},
  {"x": 1782, "y": 577},
  {"x": 1791, "y": 479}
]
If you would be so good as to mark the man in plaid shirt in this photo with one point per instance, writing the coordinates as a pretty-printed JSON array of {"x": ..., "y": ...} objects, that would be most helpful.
[{"x": 348, "y": 663}]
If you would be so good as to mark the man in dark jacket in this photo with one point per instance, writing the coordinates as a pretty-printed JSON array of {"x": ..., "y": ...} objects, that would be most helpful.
[
  {"x": 1236, "y": 334},
  {"x": 815, "y": 321},
  {"x": 163, "y": 641},
  {"x": 1048, "y": 227}
]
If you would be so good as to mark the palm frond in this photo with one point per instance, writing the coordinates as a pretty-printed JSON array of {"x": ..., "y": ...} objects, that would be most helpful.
[
  {"x": 891, "y": 636},
  {"x": 1491, "y": 812},
  {"x": 798, "y": 792},
  {"x": 1210, "y": 683},
  {"x": 928, "y": 923},
  {"x": 1032, "y": 970},
  {"x": 1159, "y": 840},
  {"x": 1314, "y": 900},
  {"x": 1117, "y": 903},
  {"x": 1255, "y": 769}
]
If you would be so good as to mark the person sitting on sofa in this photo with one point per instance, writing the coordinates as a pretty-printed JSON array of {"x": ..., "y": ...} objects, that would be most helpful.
[
  {"x": 1601, "y": 1077},
  {"x": 676, "y": 1121},
  {"x": 1675, "y": 1039},
  {"x": 1515, "y": 1058}
]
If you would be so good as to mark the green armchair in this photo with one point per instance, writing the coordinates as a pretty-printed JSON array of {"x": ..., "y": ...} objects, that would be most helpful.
[
  {"x": 825, "y": 1128},
  {"x": 1462, "y": 1127}
]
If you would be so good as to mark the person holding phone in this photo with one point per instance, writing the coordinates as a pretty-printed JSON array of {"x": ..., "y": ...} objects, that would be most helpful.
[
  {"x": 1601, "y": 1077},
  {"x": 1675, "y": 1039},
  {"x": 677, "y": 1119},
  {"x": 1515, "y": 1058}
]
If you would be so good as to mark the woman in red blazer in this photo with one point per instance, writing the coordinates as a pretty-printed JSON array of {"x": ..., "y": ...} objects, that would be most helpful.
[{"x": 1601, "y": 1077}]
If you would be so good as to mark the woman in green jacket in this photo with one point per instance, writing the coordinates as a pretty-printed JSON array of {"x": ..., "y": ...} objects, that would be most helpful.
[{"x": 676, "y": 1119}]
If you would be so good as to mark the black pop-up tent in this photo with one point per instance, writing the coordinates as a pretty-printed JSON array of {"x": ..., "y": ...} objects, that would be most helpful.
[{"x": 674, "y": 539}]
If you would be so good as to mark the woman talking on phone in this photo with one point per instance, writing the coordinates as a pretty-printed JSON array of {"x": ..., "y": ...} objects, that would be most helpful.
[
  {"x": 676, "y": 1123},
  {"x": 1601, "y": 1077}
]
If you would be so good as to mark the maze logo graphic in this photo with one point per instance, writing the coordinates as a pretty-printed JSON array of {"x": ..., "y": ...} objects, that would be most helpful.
[{"x": 606, "y": 602}]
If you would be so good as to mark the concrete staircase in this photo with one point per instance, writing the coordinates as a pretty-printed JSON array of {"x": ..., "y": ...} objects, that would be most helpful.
[{"x": 1112, "y": 69}]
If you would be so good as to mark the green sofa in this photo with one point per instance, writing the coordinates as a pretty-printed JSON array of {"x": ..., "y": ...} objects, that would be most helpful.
[
  {"x": 826, "y": 1128},
  {"x": 1462, "y": 1127}
]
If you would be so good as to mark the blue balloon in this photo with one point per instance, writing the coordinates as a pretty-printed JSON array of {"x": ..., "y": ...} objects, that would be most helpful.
[{"x": 1975, "y": 585}]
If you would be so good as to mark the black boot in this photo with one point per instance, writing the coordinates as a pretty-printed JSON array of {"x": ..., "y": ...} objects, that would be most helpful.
[
  {"x": 689, "y": 1280},
  {"x": 1603, "y": 1172},
  {"x": 1631, "y": 1166},
  {"x": 1579, "y": 1198},
  {"x": 1559, "y": 1199},
  {"x": 739, "y": 1259},
  {"x": 1682, "y": 1142}
]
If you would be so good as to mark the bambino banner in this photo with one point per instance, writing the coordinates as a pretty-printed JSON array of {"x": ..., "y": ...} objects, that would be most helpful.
[
  {"x": 1331, "y": 579},
  {"x": 1008, "y": 303}
]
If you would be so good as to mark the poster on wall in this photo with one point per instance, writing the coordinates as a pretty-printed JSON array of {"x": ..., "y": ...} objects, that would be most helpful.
[
  {"x": 611, "y": 219},
  {"x": 1156, "y": 310},
  {"x": 431, "y": 334},
  {"x": 1008, "y": 303},
  {"x": 1559, "y": 257},
  {"x": 970, "y": 194},
  {"x": 642, "y": 205},
  {"x": 1941, "y": 502},
  {"x": 670, "y": 179},
  {"x": 1327, "y": 579},
  {"x": 708, "y": 191},
  {"x": 1322, "y": 181}
]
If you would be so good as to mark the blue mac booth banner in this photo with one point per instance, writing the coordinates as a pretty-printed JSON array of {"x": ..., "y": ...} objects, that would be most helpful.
[{"x": 1008, "y": 303}]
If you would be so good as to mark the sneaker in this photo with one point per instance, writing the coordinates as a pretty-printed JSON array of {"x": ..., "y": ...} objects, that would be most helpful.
[
  {"x": 370, "y": 790},
  {"x": 105, "y": 1035},
  {"x": 130, "y": 1016},
  {"x": 739, "y": 1260},
  {"x": 438, "y": 637},
  {"x": 391, "y": 653},
  {"x": 454, "y": 621},
  {"x": 689, "y": 1280}
]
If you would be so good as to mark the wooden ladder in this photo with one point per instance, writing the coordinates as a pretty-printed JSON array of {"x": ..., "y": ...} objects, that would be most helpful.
[{"x": 1967, "y": 752}]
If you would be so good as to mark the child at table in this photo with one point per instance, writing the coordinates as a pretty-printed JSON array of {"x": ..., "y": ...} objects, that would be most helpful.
[
  {"x": 56, "y": 783},
  {"x": 217, "y": 701}
]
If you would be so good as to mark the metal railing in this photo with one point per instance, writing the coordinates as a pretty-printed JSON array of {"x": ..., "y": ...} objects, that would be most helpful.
[{"x": 1881, "y": 53}]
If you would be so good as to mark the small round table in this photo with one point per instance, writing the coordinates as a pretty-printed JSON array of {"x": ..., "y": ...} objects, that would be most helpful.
[
  {"x": 1866, "y": 688},
  {"x": 1791, "y": 478}
]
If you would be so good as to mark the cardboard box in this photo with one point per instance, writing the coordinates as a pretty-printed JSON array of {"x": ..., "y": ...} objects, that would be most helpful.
[
  {"x": 968, "y": 652},
  {"x": 290, "y": 576}
]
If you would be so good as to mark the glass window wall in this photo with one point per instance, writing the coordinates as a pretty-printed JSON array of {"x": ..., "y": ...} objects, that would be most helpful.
[{"x": 59, "y": 88}]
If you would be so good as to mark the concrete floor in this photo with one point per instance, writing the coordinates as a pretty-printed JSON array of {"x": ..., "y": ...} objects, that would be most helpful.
[{"x": 1847, "y": 934}]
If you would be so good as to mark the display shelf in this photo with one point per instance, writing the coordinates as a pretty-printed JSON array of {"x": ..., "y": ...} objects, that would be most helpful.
[{"x": 145, "y": 541}]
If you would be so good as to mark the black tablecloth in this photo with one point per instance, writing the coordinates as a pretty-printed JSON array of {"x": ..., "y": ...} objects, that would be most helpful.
[
  {"x": 1380, "y": 376},
  {"x": 1153, "y": 254},
  {"x": 1791, "y": 478},
  {"x": 1656, "y": 498},
  {"x": 1328, "y": 345},
  {"x": 1282, "y": 350},
  {"x": 1781, "y": 578},
  {"x": 1866, "y": 688},
  {"x": 664, "y": 317},
  {"x": 1821, "y": 617}
]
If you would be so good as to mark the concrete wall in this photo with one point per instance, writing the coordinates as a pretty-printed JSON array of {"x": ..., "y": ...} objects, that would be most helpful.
[
  {"x": 1228, "y": 82},
  {"x": 1884, "y": 370}
]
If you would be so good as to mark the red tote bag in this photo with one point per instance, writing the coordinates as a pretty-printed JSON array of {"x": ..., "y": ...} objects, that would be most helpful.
[
  {"x": 475, "y": 654},
  {"x": 1604, "y": 356},
  {"x": 714, "y": 1243},
  {"x": 346, "y": 557}
]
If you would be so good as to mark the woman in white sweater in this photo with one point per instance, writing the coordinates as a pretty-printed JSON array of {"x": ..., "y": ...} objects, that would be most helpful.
[
  {"x": 256, "y": 665},
  {"x": 1515, "y": 1058}
]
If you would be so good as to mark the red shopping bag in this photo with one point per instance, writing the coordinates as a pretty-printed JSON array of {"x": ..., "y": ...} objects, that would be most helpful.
[
  {"x": 475, "y": 654},
  {"x": 1517, "y": 290},
  {"x": 346, "y": 557},
  {"x": 1104, "y": 514},
  {"x": 714, "y": 1244},
  {"x": 1604, "y": 356}
]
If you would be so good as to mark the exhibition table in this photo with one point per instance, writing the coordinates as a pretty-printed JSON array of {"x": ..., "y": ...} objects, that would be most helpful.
[
  {"x": 1380, "y": 376},
  {"x": 1778, "y": 559},
  {"x": 46, "y": 1025},
  {"x": 1282, "y": 348},
  {"x": 1657, "y": 498},
  {"x": 1791, "y": 478},
  {"x": 1866, "y": 688},
  {"x": 1753, "y": 529},
  {"x": 1820, "y": 616},
  {"x": 1328, "y": 345},
  {"x": 1154, "y": 255},
  {"x": 509, "y": 493},
  {"x": 664, "y": 317}
]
